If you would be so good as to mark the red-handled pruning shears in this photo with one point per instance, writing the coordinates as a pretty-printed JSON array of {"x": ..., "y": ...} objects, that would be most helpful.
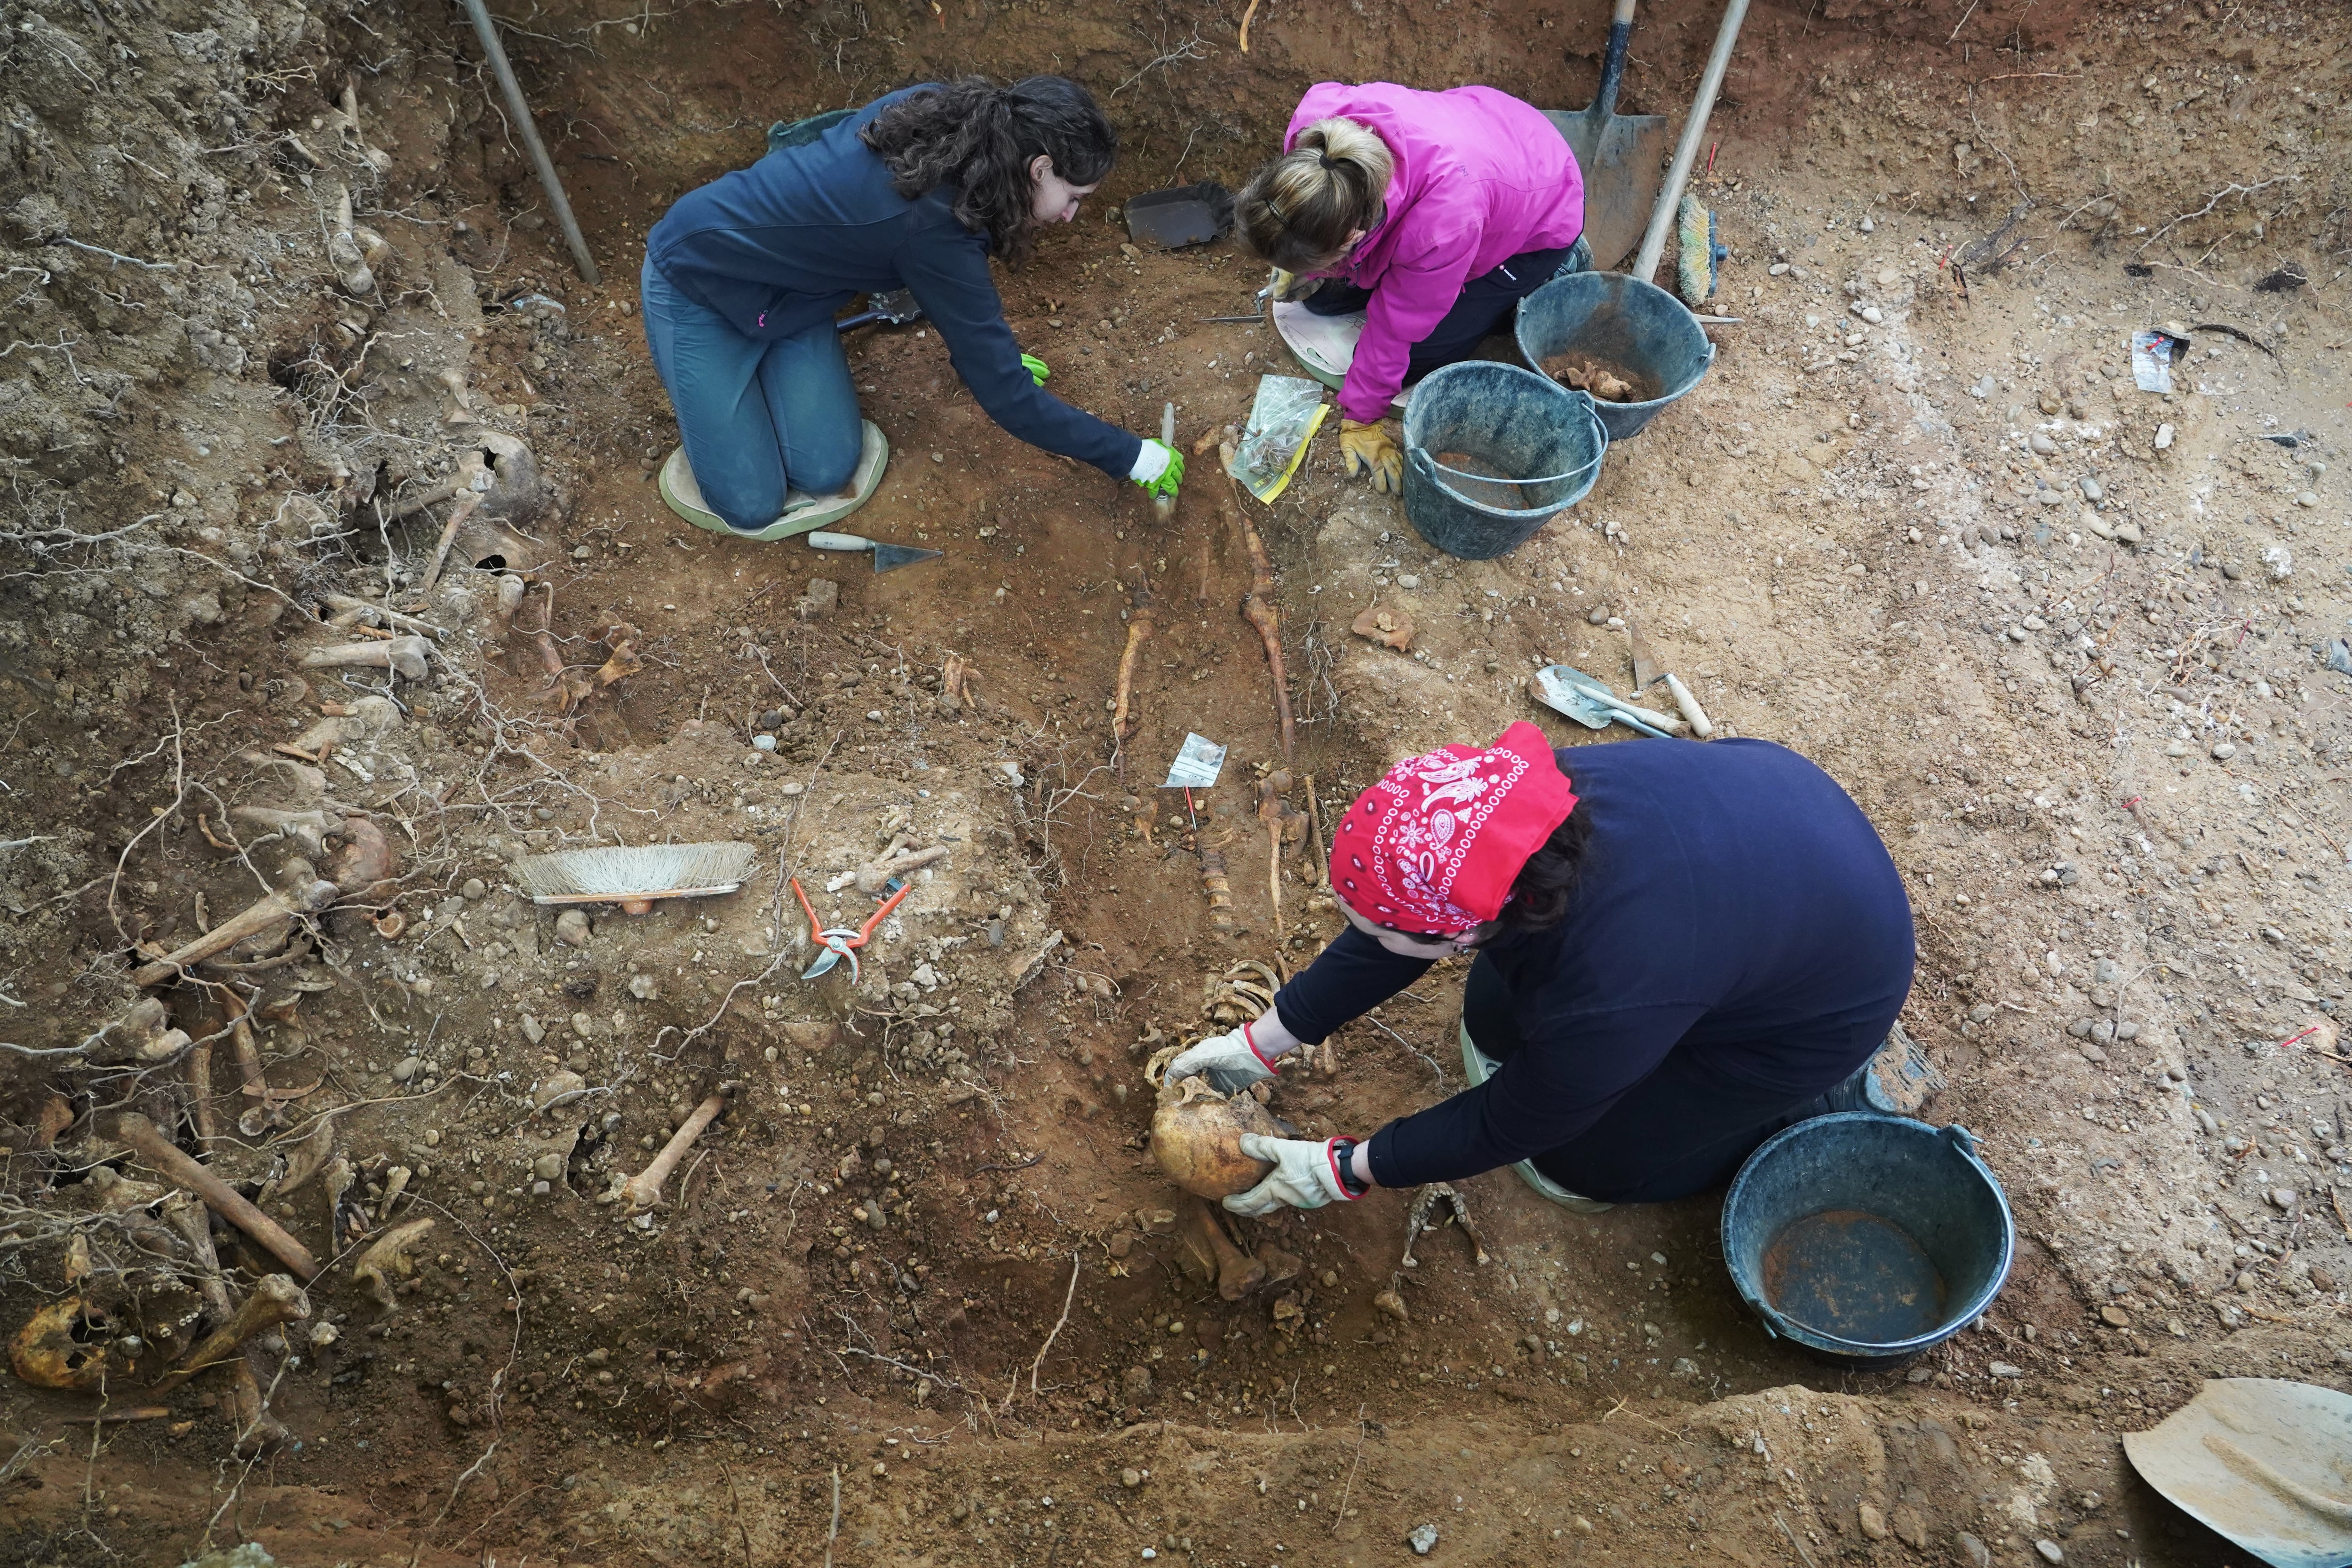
[{"x": 840, "y": 941}]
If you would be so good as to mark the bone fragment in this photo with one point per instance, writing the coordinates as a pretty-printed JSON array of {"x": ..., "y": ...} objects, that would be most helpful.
[
  {"x": 644, "y": 1189},
  {"x": 168, "y": 1160},
  {"x": 390, "y": 1252},
  {"x": 404, "y": 655},
  {"x": 871, "y": 878},
  {"x": 1203, "y": 1234},
  {"x": 276, "y": 1299},
  {"x": 271, "y": 911},
  {"x": 257, "y": 1432},
  {"x": 308, "y": 829}
]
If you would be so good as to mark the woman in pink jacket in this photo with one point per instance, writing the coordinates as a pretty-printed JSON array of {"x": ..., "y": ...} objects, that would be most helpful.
[{"x": 1433, "y": 213}]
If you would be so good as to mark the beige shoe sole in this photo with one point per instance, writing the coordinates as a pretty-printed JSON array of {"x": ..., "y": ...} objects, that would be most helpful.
[
  {"x": 1478, "y": 1069},
  {"x": 802, "y": 512}
]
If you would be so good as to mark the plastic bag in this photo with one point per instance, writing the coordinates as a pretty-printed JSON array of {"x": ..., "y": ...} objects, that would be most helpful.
[{"x": 1284, "y": 416}]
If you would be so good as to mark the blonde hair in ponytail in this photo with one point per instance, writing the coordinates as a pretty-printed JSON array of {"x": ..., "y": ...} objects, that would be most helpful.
[{"x": 1297, "y": 211}]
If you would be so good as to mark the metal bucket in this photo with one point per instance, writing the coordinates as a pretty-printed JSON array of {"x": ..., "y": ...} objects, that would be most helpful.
[
  {"x": 1635, "y": 328},
  {"x": 1864, "y": 1239},
  {"x": 1513, "y": 422}
]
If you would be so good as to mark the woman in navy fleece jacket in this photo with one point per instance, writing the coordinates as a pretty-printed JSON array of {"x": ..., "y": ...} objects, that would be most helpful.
[
  {"x": 1679, "y": 953},
  {"x": 915, "y": 191}
]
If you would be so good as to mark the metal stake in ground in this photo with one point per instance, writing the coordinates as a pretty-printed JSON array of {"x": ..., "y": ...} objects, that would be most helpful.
[{"x": 520, "y": 111}]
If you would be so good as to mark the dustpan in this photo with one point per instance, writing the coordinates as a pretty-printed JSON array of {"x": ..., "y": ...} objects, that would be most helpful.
[{"x": 2265, "y": 1462}]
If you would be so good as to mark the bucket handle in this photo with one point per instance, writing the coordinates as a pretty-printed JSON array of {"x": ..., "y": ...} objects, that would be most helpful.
[{"x": 1600, "y": 450}]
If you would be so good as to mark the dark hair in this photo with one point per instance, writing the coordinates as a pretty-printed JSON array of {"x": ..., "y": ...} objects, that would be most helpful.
[
  {"x": 1542, "y": 891},
  {"x": 980, "y": 138}
]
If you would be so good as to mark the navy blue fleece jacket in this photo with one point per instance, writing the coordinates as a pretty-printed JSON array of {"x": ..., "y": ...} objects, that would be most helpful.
[
  {"x": 1734, "y": 903},
  {"x": 783, "y": 245}
]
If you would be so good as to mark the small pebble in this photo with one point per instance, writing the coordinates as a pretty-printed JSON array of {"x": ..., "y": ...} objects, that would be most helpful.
[
  {"x": 2043, "y": 444},
  {"x": 1597, "y": 615},
  {"x": 772, "y": 719},
  {"x": 473, "y": 890},
  {"x": 1407, "y": 580},
  {"x": 2003, "y": 1369},
  {"x": 2092, "y": 491},
  {"x": 405, "y": 1069},
  {"x": 1872, "y": 314},
  {"x": 2282, "y": 1198},
  {"x": 764, "y": 742},
  {"x": 2163, "y": 437},
  {"x": 2308, "y": 498},
  {"x": 2223, "y": 751},
  {"x": 1424, "y": 1540},
  {"x": 2115, "y": 1317},
  {"x": 2049, "y": 1550}
]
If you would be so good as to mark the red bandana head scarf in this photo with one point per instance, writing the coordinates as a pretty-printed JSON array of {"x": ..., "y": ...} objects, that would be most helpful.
[{"x": 1437, "y": 843}]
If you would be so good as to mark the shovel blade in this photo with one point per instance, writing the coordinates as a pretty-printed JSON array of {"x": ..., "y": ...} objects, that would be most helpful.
[
  {"x": 1623, "y": 158},
  {"x": 890, "y": 557},
  {"x": 1563, "y": 696}
]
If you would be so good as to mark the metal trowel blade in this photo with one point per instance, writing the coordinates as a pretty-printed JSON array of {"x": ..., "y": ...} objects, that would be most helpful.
[
  {"x": 890, "y": 557},
  {"x": 1646, "y": 667}
]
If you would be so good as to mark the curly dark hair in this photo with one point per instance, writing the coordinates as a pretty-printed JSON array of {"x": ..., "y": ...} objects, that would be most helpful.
[
  {"x": 1542, "y": 890},
  {"x": 980, "y": 138}
]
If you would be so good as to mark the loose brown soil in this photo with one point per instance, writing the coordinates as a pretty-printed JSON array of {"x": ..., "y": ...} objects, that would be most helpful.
[{"x": 920, "y": 1294}]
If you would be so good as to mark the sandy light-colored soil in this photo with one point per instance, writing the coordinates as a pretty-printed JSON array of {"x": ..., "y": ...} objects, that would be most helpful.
[{"x": 920, "y": 1293}]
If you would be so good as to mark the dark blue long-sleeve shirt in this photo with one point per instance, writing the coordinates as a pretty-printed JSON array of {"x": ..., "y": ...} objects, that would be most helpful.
[
  {"x": 783, "y": 245},
  {"x": 1734, "y": 903}
]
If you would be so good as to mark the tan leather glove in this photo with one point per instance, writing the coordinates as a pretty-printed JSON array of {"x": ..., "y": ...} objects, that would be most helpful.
[
  {"x": 1368, "y": 450},
  {"x": 1290, "y": 285}
]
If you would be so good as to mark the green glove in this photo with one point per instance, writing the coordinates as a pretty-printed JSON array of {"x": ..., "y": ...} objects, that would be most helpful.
[
  {"x": 1170, "y": 477},
  {"x": 1035, "y": 367}
]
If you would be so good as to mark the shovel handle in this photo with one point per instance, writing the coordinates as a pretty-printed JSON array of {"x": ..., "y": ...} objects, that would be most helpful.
[
  {"x": 820, "y": 540},
  {"x": 1612, "y": 64},
  {"x": 1661, "y": 216}
]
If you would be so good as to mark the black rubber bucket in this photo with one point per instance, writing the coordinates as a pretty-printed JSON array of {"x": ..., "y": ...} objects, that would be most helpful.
[
  {"x": 1637, "y": 329},
  {"x": 1865, "y": 1239},
  {"x": 1492, "y": 453}
]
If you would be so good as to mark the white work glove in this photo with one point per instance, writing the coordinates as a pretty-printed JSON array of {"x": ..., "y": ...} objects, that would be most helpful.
[
  {"x": 1306, "y": 1175},
  {"x": 1230, "y": 1061}
]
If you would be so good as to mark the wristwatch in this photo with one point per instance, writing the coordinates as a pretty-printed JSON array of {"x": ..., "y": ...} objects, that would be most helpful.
[{"x": 1343, "y": 1153}]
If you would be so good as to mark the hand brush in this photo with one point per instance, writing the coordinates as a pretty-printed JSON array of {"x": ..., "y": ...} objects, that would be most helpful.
[{"x": 633, "y": 879}]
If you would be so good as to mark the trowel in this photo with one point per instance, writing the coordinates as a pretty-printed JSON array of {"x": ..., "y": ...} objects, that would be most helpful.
[
  {"x": 1619, "y": 155},
  {"x": 1592, "y": 704},
  {"x": 886, "y": 557},
  {"x": 1646, "y": 667}
]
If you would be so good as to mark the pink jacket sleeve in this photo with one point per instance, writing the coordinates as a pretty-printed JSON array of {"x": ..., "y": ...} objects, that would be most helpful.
[{"x": 1421, "y": 285}]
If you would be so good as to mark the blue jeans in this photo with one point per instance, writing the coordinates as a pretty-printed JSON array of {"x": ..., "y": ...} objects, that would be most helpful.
[{"x": 757, "y": 418}]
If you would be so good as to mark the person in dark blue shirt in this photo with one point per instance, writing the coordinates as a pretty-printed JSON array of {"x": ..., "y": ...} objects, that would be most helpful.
[
  {"x": 917, "y": 191},
  {"x": 1681, "y": 949}
]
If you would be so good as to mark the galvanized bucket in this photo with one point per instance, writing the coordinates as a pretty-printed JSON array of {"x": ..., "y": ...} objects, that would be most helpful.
[{"x": 1513, "y": 422}]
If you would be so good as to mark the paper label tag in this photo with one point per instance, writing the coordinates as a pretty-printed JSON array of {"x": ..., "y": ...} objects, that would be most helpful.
[{"x": 1197, "y": 765}]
